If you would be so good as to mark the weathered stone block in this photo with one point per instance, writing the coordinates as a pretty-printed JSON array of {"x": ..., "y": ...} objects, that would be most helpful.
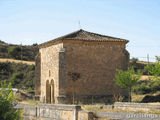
[
  {"x": 29, "y": 110},
  {"x": 85, "y": 115}
]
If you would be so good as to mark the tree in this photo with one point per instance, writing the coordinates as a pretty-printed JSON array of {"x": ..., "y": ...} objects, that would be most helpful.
[
  {"x": 157, "y": 58},
  {"x": 16, "y": 79},
  {"x": 15, "y": 52},
  {"x": 74, "y": 76},
  {"x": 7, "y": 104},
  {"x": 127, "y": 79},
  {"x": 154, "y": 69},
  {"x": 133, "y": 61}
]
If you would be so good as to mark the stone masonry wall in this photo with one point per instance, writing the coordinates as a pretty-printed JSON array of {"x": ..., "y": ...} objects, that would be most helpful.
[
  {"x": 91, "y": 67},
  {"x": 74, "y": 112},
  {"x": 54, "y": 112},
  {"x": 50, "y": 69},
  {"x": 137, "y": 106}
]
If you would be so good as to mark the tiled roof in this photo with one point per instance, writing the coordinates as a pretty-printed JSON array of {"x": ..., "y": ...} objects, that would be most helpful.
[{"x": 87, "y": 36}]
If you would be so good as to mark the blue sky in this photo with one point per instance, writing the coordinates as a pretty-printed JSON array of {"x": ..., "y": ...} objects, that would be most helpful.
[{"x": 37, "y": 21}]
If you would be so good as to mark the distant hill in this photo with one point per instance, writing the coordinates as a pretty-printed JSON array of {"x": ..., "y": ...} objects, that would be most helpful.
[
  {"x": 12, "y": 69},
  {"x": 21, "y": 75},
  {"x": 24, "y": 52}
]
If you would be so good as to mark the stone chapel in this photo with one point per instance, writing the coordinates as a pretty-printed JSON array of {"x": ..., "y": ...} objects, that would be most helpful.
[{"x": 80, "y": 67}]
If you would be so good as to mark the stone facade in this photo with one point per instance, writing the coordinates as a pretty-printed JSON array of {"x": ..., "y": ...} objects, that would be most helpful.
[
  {"x": 50, "y": 71},
  {"x": 81, "y": 70}
]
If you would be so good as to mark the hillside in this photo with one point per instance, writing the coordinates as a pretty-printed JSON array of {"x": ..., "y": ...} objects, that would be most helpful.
[
  {"x": 24, "y": 52},
  {"x": 13, "y": 69},
  {"x": 19, "y": 74}
]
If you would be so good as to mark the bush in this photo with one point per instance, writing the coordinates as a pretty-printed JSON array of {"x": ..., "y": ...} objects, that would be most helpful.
[
  {"x": 153, "y": 69},
  {"x": 2, "y": 49},
  {"x": 16, "y": 79},
  {"x": 4, "y": 66},
  {"x": 155, "y": 86},
  {"x": 21, "y": 75},
  {"x": 31, "y": 67},
  {"x": 7, "y": 104},
  {"x": 142, "y": 88},
  {"x": 14, "y": 52},
  {"x": 146, "y": 87}
]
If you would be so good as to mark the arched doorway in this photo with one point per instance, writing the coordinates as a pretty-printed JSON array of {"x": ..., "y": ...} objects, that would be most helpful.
[
  {"x": 48, "y": 92},
  {"x": 52, "y": 91}
]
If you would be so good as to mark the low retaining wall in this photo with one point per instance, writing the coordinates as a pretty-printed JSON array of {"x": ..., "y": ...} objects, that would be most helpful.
[
  {"x": 137, "y": 106},
  {"x": 74, "y": 112},
  {"x": 54, "y": 112}
]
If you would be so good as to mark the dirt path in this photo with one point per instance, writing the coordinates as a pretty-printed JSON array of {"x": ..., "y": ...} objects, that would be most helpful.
[
  {"x": 17, "y": 61},
  {"x": 127, "y": 116}
]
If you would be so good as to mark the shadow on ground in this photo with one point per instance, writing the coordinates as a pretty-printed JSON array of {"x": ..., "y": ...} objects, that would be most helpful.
[{"x": 150, "y": 98}]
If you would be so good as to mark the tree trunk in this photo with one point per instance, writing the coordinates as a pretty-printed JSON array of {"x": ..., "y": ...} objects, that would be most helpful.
[
  {"x": 130, "y": 98},
  {"x": 73, "y": 96}
]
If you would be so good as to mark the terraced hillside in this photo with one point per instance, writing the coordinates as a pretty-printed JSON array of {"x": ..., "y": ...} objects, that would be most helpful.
[
  {"x": 17, "y": 64},
  {"x": 19, "y": 52},
  {"x": 19, "y": 74}
]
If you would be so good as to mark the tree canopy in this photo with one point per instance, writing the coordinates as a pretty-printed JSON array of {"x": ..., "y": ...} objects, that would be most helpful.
[
  {"x": 126, "y": 79},
  {"x": 154, "y": 69}
]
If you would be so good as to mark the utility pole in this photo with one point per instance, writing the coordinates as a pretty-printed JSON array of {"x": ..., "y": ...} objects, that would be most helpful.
[
  {"x": 148, "y": 62},
  {"x": 21, "y": 51}
]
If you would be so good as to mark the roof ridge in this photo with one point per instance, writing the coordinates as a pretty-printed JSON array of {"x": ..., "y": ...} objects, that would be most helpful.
[
  {"x": 86, "y": 36},
  {"x": 93, "y": 33}
]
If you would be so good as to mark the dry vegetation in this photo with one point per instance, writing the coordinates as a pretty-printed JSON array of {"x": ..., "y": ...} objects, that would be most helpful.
[
  {"x": 103, "y": 119},
  {"x": 99, "y": 108},
  {"x": 17, "y": 61},
  {"x": 29, "y": 102},
  {"x": 137, "y": 98}
]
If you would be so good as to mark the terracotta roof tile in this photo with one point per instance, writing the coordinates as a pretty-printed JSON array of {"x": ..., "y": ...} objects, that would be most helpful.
[{"x": 87, "y": 36}]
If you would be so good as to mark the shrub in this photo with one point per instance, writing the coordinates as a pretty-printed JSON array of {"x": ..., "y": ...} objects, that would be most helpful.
[
  {"x": 142, "y": 88},
  {"x": 14, "y": 52},
  {"x": 2, "y": 49},
  {"x": 31, "y": 67},
  {"x": 146, "y": 87},
  {"x": 16, "y": 79},
  {"x": 4, "y": 66},
  {"x": 153, "y": 69},
  {"x": 21, "y": 75},
  {"x": 7, "y": 104},
  {"x": 127, "y": 79}
]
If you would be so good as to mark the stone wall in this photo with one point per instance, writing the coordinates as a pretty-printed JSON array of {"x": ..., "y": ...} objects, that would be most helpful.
[
  {"x": 74, "y": 112},
  {"x": 54, "y": 112},
  {"x": 50, "y": 70},
  {"x": 91, "y": 68},
  {"x": 137, "y": 106}
]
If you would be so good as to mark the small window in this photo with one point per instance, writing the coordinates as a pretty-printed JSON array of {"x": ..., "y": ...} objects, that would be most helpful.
[{"x": 49, "y": 73}]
